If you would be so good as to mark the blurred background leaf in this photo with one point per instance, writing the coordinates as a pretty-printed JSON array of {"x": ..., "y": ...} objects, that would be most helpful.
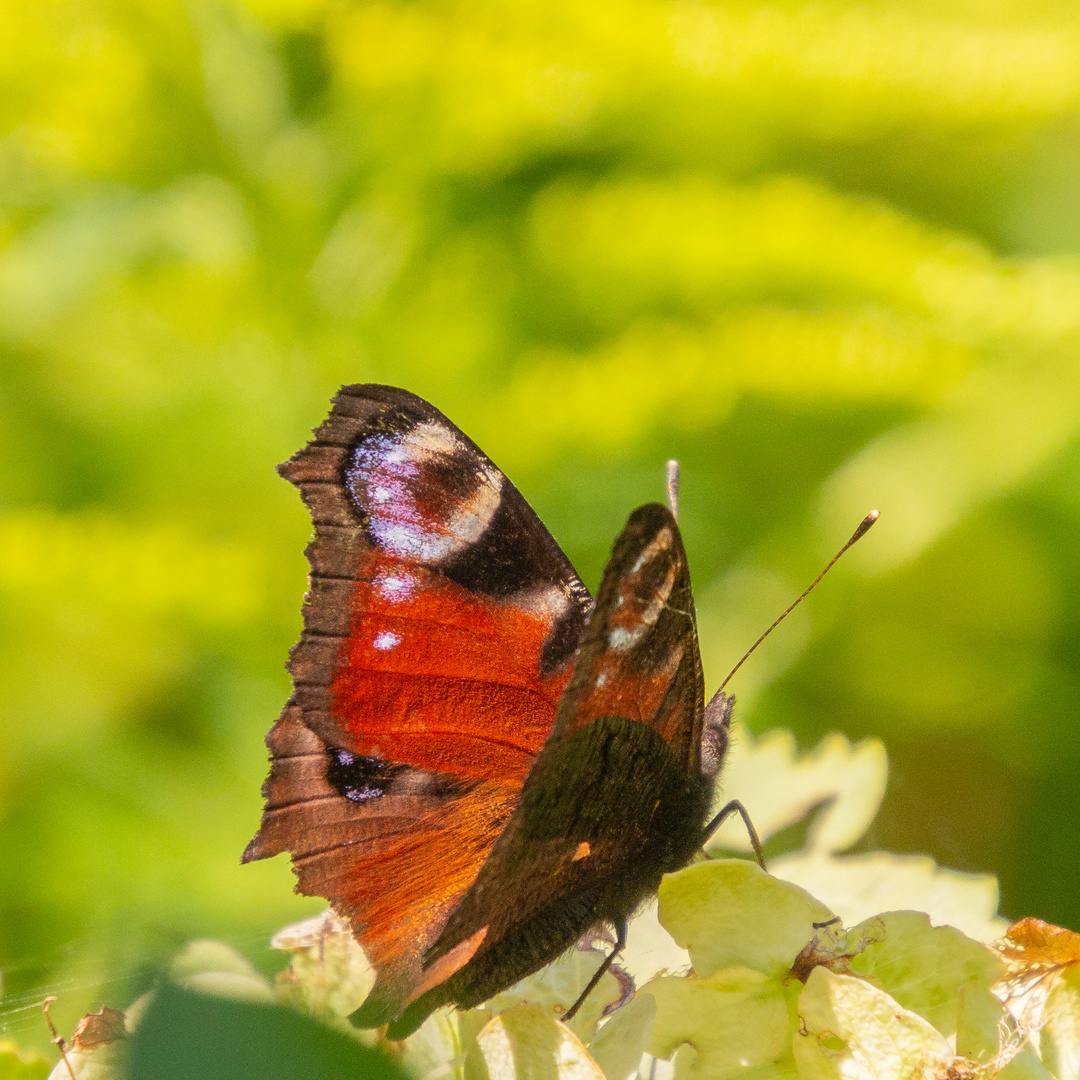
[
  {"x": 185, "y": 1034},
  {"x": 828, "y": 254}
]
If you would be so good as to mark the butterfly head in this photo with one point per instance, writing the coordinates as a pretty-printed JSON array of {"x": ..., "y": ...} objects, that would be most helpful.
[{"x": 716, "y": 733}]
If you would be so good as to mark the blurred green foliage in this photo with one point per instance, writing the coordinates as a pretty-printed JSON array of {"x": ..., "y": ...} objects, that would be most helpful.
[
  {"x": 828, "y": 254},
  {"x": 186, "y": 1034}
]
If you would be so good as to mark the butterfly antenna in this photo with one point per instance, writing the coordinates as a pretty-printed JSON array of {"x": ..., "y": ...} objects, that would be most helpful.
[
  {"x": 858, "y": 534},
  {"x": 673, "y": 487}
]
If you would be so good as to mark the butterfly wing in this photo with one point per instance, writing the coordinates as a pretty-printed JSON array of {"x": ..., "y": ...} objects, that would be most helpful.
[
  {"x": 640, "y": 657},
  {"x": 617, "y": 796},
  {"x": 439, "y": 630}
]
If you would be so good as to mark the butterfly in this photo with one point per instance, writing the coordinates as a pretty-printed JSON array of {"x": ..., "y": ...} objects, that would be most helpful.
[{"x": 478, "y": 763}]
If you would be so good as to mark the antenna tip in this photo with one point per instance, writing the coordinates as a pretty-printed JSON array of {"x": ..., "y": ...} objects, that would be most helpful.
[
  {"x": 864, "y": 526},
  {"x": 673, "y": 486}
]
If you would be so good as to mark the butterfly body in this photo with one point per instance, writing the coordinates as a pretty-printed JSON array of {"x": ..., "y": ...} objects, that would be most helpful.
[{"x": 477, "y": 764}]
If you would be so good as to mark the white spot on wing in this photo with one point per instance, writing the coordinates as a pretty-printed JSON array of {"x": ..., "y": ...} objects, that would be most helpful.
[
  {"x": 550, "y": 602},
  {"x": 427, "y": 439},
  {"x": 620, "y": 639},
  {"x": 386, "y": 640},
  {"x": 660, "y": 542},
  {"x": 395, "y": 588}
]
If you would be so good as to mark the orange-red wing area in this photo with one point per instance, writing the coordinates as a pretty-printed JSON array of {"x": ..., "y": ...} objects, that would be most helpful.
[
  {"x": 639, "y": 656},
  {"x": 439, "y": 631},
  {"x": 442, "y": 678}
]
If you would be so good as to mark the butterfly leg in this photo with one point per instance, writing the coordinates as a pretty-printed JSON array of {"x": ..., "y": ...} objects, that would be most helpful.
[
  {"x": 736, "y": 807},
  {"x": 620, "y": 944}
]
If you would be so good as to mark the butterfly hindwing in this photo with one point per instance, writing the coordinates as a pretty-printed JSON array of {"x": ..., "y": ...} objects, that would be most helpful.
[
  {"x": 617, "y": 795},
  {"x": 439, "y": 631}
]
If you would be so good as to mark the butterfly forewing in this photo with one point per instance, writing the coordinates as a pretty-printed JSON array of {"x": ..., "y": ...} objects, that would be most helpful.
[
  {"x": 639, "y": 657},
  {"x": 439, "y": 630}
]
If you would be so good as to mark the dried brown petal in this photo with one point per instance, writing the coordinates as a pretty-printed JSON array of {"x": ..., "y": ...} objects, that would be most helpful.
[
  {"x": 1034, "y": 943},
  {"x": 98, "y": 1029}
]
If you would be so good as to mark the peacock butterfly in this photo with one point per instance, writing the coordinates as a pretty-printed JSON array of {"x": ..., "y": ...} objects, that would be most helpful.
[{"x": 478, "y": 763}]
